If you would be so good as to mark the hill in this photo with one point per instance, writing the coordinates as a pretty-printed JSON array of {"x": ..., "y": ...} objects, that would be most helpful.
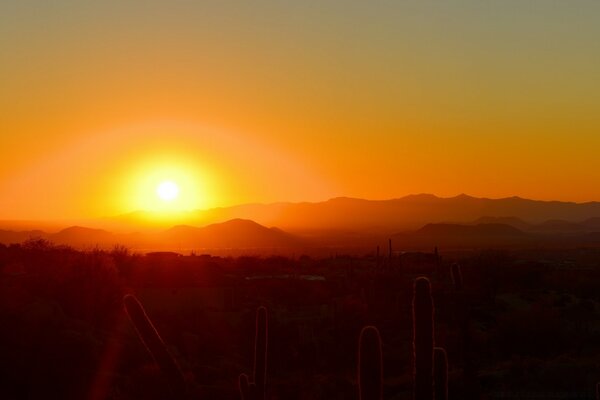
[
  {"x": 449, "y": 236},
  {"x": 80, "y": 236},
  {"x": 236, "y": 233},
  {"x": 233, "y": 234}
]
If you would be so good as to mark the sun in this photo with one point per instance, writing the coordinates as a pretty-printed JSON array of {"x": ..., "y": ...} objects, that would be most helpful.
[
  {"x": 167, "y": 190},
  {"x": 166, "y": 186}
]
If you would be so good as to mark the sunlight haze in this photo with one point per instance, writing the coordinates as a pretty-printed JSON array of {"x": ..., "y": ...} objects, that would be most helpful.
[{"x": 269, "y": 101}]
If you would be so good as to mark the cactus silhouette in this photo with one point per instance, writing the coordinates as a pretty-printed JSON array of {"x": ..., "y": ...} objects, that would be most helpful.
[
  {"x": 423, "y": 339},
  {"x": 255, "y": 390},
  {"x": 430, "y": 363},
  {"x": 440, "y": 373},
  {"x": 456, "y": 274},
  {"x": 370, "y": 367},
  {"x": 155, "y": 345}
]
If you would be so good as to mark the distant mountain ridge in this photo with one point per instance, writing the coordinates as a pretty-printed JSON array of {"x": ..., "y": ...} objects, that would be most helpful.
[
  {"x": 511, "y": 221},
  {"x": 247, "y": 235},
  {"x": 351, "y": 214},
  {"x": 499, "y": 230},
  {"x": 549, "y": 226},
  {"x": 451, "y": 236},
  {"x": 339, "y": 222},
  {"x": 237, "y": 233}
]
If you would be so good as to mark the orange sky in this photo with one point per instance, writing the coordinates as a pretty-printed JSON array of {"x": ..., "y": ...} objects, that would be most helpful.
[{"x": 272, "y": 101}]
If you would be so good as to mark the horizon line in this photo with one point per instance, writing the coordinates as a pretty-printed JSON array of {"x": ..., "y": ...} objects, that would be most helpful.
[{"x": 179, "y": 212}]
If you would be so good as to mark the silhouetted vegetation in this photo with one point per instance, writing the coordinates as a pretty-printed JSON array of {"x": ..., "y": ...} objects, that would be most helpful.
[{"x": 522, "y": 324}]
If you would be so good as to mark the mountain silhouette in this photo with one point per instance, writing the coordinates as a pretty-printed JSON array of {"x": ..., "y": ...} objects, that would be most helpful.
[
  {"x": 79, "y": 235},
  {"x": 450, "y": 236},
  {"x": 236, "y": 233},
  {"x": 233, "y": 234},
  {"x": 406, "y": 213},
  {"x": 10, "y": 236},
  {"x": 511, "y": 221},
  {"x": 560, "y": 226},
  {"x": 343, "y": 221},
  {"x": 498, "y": 230}
]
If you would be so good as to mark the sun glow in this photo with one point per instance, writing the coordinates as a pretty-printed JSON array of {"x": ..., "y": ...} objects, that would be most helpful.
[
  {"x": 167, "y": 190},
  {"x": 167, "y": 184}
]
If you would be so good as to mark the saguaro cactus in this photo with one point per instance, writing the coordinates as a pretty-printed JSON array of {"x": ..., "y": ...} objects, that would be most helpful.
[
  {"x": 255, "y": 389},
  {"x": 423, "y": 339},
  {"x": 440, "y": 373},
  {"x": 155, "y": 345},
  {"x": 370, "y": 366}
]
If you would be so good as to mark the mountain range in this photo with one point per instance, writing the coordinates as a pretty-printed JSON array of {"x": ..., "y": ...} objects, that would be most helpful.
[
  {"x": 233, "y": 234},
  {"x": 415, "y": 221},
  {"x": 406, "y": 213}
]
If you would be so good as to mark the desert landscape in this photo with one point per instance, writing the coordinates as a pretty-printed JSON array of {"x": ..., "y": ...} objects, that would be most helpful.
[{"x": 299, "y": 200}]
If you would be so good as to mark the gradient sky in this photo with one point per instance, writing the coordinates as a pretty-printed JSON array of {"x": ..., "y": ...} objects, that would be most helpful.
[{"x": 262, "y": 101}]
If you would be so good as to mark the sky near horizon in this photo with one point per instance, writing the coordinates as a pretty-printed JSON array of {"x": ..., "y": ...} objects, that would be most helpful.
[{"x": 270, "y": 101}]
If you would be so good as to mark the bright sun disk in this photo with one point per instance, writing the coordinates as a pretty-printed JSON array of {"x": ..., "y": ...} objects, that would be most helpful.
[{"x": 167, "y": 190}]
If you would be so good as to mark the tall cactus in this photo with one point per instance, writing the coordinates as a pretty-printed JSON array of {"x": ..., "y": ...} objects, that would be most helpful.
[
  {"x": 430, "y": 363},
  {"x": 423, "y": 339},
  {"x": 255, "y": 390},
  {"x": 155, "y": 345},
  {"x": 370, "y": 366},
  {"x": 440, "y": 373}
]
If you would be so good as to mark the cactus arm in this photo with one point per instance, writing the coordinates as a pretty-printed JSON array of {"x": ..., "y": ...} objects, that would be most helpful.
[{"x": 155, "y": 345}]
